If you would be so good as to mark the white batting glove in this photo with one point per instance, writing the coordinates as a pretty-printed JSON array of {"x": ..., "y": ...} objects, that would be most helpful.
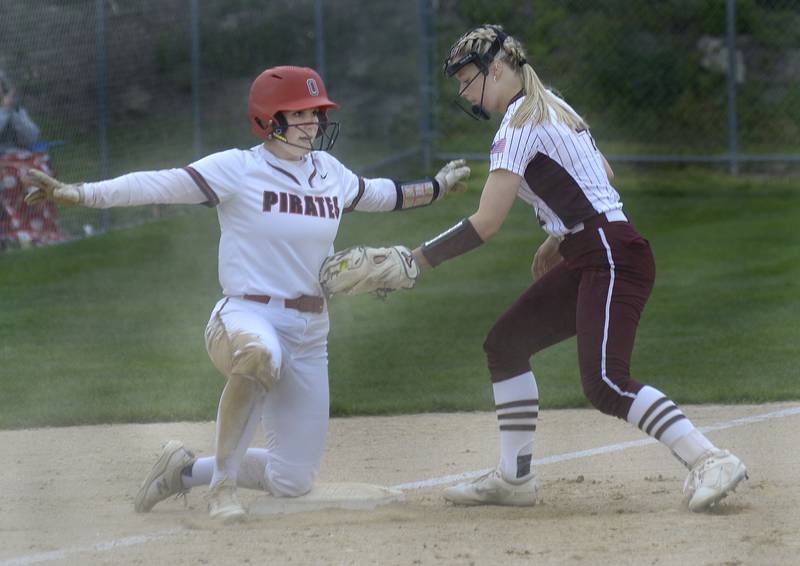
[
  {"x": 48, "y": 189},
  {"x": 452, "y": 178}
]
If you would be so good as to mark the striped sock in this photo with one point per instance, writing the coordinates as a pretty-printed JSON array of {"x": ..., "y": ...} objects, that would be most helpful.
[
  {"x": 656, "y": 415},
  {"x": 517, "y": 406}
]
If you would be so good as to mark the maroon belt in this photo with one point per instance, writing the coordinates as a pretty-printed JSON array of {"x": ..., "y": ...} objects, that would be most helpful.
[{"x": 303, "y": 303}]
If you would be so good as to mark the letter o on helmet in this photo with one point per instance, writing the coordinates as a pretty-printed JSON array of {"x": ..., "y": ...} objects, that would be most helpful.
[{"x": 285, "y": 89}]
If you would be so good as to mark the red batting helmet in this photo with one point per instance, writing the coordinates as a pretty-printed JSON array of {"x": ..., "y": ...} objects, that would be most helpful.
[{"x": 285, "y": 89}]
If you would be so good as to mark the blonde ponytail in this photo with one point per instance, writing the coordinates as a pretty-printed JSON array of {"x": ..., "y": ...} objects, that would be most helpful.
[{"x": 539, "y": 101}]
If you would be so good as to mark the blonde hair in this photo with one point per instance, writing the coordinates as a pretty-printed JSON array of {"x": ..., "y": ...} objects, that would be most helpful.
[{"x": 539, "y": 101}]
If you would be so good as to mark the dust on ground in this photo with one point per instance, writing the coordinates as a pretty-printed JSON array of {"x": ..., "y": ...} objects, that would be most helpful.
[{"x": 66, "y": 497}]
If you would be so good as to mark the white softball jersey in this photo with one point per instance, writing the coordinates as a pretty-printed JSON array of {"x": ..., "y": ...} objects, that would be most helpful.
[
  {"x": 564, "y": 179},
  {"x": 278, "y": 218},
  {"x": 278, "y": 221}
]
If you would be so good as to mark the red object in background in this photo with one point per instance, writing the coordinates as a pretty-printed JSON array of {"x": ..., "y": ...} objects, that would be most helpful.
[{"x": 20, "y": 224}]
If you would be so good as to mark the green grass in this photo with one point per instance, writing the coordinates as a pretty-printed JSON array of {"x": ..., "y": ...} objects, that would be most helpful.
[{"x": 109, "y": 329}]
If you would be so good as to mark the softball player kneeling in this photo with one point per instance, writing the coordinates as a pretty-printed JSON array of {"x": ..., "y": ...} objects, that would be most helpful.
[{"x": 279, "y": 206}]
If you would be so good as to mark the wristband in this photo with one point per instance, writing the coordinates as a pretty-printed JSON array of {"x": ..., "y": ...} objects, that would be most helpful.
[
  {"x": 458, "y": 240},
  {"x": 412, "y": 194}
]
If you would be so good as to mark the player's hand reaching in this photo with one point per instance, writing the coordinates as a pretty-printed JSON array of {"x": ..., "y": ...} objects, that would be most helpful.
[
  {"x": 45, "y": 188},
  {"x": 452, "y": 178},
  {"x": 546, "y": 258}
]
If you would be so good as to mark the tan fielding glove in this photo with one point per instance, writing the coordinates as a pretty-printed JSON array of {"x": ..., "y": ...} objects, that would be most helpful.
[
  {"x": 48, "y": 189},
  {"x": 452, "y": 178},
  {"x": 361, "y": 269}
]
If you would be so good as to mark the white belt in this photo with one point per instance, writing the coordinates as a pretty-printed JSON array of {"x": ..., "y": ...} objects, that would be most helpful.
[{"x": 612, "y": 216}]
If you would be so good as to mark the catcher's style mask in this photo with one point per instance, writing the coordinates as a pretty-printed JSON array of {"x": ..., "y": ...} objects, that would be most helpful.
[
  {"x": 480, "y": 60},
  {"x": 289, "y": 89}
]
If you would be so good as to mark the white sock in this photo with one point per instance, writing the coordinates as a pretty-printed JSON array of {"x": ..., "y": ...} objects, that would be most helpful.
[
  {"x": 656, "y": 415},
  {"x": 690, "y": 448},
  {"x": 251, "y": 472},
  {"x": 201, "y": 472},
  {"x": 517, "y": 406}
]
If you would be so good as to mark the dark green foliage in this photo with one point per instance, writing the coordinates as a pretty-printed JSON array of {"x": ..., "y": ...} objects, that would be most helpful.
[{"x": 636, "y": 70}]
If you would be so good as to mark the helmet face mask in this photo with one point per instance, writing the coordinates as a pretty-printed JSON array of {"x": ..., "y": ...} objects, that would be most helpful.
[
  {"x": 482, "y": 62},
  {"x": 327, "y": 131},
  {"x": 290, "y": 89}
]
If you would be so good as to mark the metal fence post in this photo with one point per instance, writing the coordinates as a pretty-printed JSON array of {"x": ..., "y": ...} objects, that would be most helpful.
[
  {"x": 197, "y": 125},
  {"x": 319, "y": 38},
  {"x": 102, "y": 96},
  {"x": 733, "y": 142},
  {"x": 425, "y": 48}
]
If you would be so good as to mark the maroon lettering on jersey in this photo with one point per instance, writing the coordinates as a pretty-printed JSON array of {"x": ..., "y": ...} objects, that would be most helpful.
[
  {"x": 321, "y": 206},
  {"x": 270, "y": 200},
  {"x": 295, "y": 204},
  {"x": 331, "y": 209},
  {"x": 311, "y": 209}
]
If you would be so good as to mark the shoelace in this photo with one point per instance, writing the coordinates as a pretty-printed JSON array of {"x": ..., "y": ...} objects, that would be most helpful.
[{"x": 182, "y": 493}]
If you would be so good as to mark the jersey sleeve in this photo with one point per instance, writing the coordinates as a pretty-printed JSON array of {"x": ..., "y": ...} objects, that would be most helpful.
[
  {"x": 216, "y": 176},
  {"x": 367, "y": 195},
  {"x": 208, "y": 181},
  {"x": 170, "y": 186},
  {"x": 513, "y": 148}
]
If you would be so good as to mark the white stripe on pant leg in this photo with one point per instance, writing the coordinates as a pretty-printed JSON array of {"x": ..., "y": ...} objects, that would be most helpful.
[{"x": 610, "y": 383}]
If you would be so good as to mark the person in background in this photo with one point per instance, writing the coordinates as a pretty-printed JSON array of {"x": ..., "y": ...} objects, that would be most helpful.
[
  {"x": 17, "y": 130},
  {"x": 21, "y": 225}
]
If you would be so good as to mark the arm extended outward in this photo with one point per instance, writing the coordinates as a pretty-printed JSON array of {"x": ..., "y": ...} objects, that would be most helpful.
[{"x": 497, "y": 198}]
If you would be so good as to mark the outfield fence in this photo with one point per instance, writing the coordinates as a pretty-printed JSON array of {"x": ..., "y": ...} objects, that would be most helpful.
[{"x": 146, "y": 84}]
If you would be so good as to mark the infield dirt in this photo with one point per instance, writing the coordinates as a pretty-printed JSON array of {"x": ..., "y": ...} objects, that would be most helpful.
[{"x": 66, "y": 497}]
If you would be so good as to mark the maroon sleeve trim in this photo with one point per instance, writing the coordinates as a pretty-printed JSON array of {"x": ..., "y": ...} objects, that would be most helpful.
[
  {"x": 361, "y": 188},
  {"x": 205, "y": 188}
]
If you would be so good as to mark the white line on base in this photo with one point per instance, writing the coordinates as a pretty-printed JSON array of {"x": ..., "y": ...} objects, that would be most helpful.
[
  {"x": 98, "y": 547},
  {"x": 595, "y": 451},
  {"x": 144, "y": 539}
]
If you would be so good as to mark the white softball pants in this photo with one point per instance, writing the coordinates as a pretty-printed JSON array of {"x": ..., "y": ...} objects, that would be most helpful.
[{"x": 294, "y": 412}]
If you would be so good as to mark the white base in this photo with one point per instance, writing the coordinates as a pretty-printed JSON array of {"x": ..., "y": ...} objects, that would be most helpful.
[{"x": 328, "y": 496}]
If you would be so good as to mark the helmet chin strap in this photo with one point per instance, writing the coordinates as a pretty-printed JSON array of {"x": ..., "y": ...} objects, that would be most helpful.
[
  {"x": 279, "y": 136},
  {"x": 327, "y": 132}
]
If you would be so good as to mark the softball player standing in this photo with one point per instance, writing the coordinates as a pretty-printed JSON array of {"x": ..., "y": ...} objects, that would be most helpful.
[
  {"x": 279, "y": 206},
  {"x": 593, "y": 276}
]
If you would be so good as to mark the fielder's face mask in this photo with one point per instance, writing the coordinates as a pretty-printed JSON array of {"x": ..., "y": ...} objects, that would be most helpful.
[
  {"x": 327, "y": 131},
  {"x": 482, "y": 62}
]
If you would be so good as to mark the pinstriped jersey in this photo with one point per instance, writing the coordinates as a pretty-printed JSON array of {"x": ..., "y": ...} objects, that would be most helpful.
[
  {"x": 562, "y": 171},
  {"x": 278, "y": 218}
]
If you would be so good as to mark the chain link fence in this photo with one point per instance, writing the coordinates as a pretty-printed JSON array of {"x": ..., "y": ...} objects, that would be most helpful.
[{"x": 145, "y": 84}]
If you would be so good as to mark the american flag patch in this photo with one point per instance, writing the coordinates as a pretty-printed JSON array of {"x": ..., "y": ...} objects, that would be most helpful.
[{"x": 498, "y": 146}]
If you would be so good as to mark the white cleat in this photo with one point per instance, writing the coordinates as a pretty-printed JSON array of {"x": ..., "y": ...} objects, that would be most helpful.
[
  {"x": 712, "y": 478},
  {"x": 223, "y": 503},
  {"x": 164, "y": 479},
  {"x": 493, "y": 489}
]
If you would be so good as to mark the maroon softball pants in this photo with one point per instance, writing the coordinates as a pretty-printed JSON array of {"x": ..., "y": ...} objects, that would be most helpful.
[{"x": 597, "y": 293}]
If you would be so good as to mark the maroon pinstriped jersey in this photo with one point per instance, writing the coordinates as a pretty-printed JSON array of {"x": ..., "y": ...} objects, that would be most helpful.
[{"x": 563, "y": 177}]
